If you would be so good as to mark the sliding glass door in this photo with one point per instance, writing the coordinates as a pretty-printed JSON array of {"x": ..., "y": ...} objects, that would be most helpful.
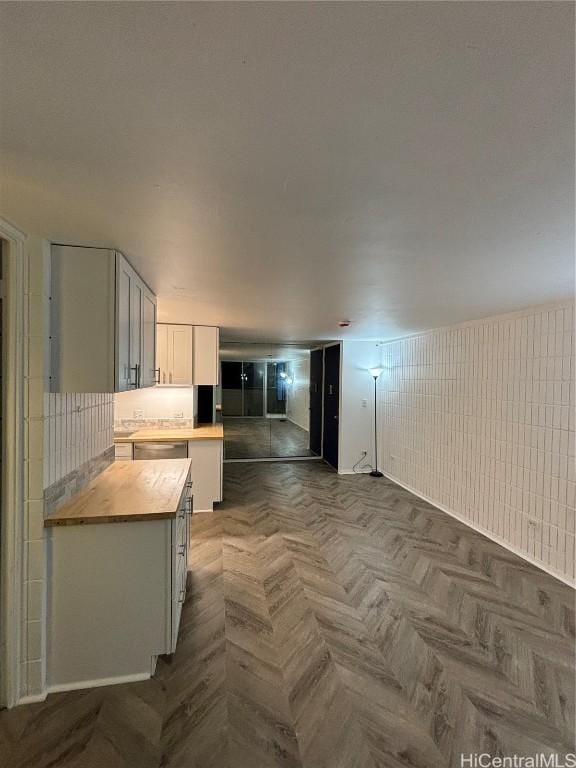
[
  {"x": 276, "y": 389},
  {"x": 243, "y": 391},
  {"x": 253, "y": 381},
  {"x": 265, "y": 408},
  {"x": 232, "y": 389}
]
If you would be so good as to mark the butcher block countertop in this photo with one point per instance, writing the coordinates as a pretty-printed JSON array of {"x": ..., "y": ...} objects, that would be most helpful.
[
  {"x": 127, "y": 491},
  {"x": 152, "y": 434}
]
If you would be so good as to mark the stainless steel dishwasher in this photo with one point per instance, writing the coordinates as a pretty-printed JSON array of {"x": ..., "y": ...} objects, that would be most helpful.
[{"x": 176, "y": 450}]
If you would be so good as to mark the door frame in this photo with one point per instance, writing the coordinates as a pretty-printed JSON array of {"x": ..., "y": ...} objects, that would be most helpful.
[
  {"x": 321, "y": 454},
  {"x": 15, "y": 276}
]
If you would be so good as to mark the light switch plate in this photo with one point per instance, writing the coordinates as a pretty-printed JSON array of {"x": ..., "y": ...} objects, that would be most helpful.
[
  {"x": 138, "y": 413},
  {"x": 178, "y": 415}
]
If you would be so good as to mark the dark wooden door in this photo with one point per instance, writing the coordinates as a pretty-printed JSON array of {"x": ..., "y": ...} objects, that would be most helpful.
[
  {"x": 331, "y": 403},
  {"x": 316, "y": 377}
]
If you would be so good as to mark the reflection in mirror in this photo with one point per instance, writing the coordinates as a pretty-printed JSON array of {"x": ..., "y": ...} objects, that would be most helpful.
[{"x": 265, "y": 400}]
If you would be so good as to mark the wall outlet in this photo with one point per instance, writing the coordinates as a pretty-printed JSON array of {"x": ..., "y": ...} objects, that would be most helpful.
[
  {"x": 178, "y": 415},
  {"x": 138, "y": 413},
  {"x": 364, "y": 403}
]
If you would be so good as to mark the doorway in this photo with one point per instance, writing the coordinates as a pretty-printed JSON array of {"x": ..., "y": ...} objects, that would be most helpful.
[{"x": 331, "y": 404}]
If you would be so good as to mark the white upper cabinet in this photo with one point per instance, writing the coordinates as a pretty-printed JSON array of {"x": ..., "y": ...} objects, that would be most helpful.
[
  {"x": 103, "y": 323},
  {"x": 180, "y": 354},
  {"x": 175, "y": 355},
  {"x": 206, "y": 354},
  {"x": 187, "y": 354}
]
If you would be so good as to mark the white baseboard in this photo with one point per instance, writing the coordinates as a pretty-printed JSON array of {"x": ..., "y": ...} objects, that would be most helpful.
[
  {"x": 33, "y": 699},
  {"x": 293, "y": 421},
  {"x": 99, "y": 682},
  {"x": 489, "y": 535}
]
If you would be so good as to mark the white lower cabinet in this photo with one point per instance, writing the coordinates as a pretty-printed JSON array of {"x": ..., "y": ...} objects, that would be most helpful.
[
  {"x": 123, "y": 451},
  {"x": 207, "y": 458},
  {"x": 115, "y": 597}
]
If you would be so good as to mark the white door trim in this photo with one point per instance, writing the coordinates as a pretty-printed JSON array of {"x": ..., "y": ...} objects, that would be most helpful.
[{"x": 12, "y": 502}]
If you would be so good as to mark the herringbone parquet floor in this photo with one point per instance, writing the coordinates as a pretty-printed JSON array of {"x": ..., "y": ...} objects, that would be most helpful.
[{"x": 331, "y": 622}]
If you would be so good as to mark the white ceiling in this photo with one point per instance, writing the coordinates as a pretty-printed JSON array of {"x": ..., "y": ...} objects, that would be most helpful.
[{"x": 274, "y": 168}]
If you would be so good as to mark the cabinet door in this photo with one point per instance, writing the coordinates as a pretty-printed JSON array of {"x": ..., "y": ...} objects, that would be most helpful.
[
  {"x": 180, "y": 354},
  {"x": 82, "y": 319},
  {"x": 206, "y": 471},
  {"x": 206, "y": 354},
  {"x": 124, "y": 277},
  {"x": 136, "y": 312},
  {"x": 162, "y": 352},
  {"x": 148, "y": 378},
  {"x": 123, "y": 451}
]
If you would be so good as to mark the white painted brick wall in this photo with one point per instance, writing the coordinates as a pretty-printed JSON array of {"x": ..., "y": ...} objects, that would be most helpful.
[
  {"x": 33, "y": 616},
  {"x": 62, "y": 432},
  {"x": 479, "y": 419},
  {"x": 78, "y": 427}
]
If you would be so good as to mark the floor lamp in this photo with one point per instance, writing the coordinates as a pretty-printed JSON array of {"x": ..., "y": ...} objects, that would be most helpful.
[{"x": 375, "y": 373}]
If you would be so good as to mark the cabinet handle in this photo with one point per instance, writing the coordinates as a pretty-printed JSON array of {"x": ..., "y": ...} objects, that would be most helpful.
[
  {"x": 182, "y": 549},
  {"x": 156, "y": 377},
  {"x": 170, "y": 377},
  {"x": 190, "y": 502},
  {"x": 182, "y": 595},
  {"x": 164, "y": 378},
  {"x": 136, "y": 383}
]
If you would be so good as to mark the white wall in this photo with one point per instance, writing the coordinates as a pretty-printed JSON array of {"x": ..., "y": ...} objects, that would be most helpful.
[
  {"x": 155, "y": 402},
  {"x": 478, "y": 418},
  {"x": 357, "y": 404},
  {"x": 298, "y": 393}
]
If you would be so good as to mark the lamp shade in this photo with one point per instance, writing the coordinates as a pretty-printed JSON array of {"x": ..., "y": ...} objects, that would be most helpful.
[{"x": 375, "y": 372}]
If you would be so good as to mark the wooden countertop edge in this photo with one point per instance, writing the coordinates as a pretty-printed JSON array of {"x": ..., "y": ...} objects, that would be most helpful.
[
  {"x": 58, "y": 522},
  {"x": 150, "y": 439},
  {"x": 187, "y": 435}
]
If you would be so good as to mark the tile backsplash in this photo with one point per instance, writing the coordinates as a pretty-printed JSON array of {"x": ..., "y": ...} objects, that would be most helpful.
[
  {"x": 78, "y": 428},
  {"x": 59, "y": 492},
  {"x": 142, "y": 407},
  {"x": 479, "y": 419}
]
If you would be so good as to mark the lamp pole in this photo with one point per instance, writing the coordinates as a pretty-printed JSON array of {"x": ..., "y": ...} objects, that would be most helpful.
[{"x": 375, "y": 372}]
